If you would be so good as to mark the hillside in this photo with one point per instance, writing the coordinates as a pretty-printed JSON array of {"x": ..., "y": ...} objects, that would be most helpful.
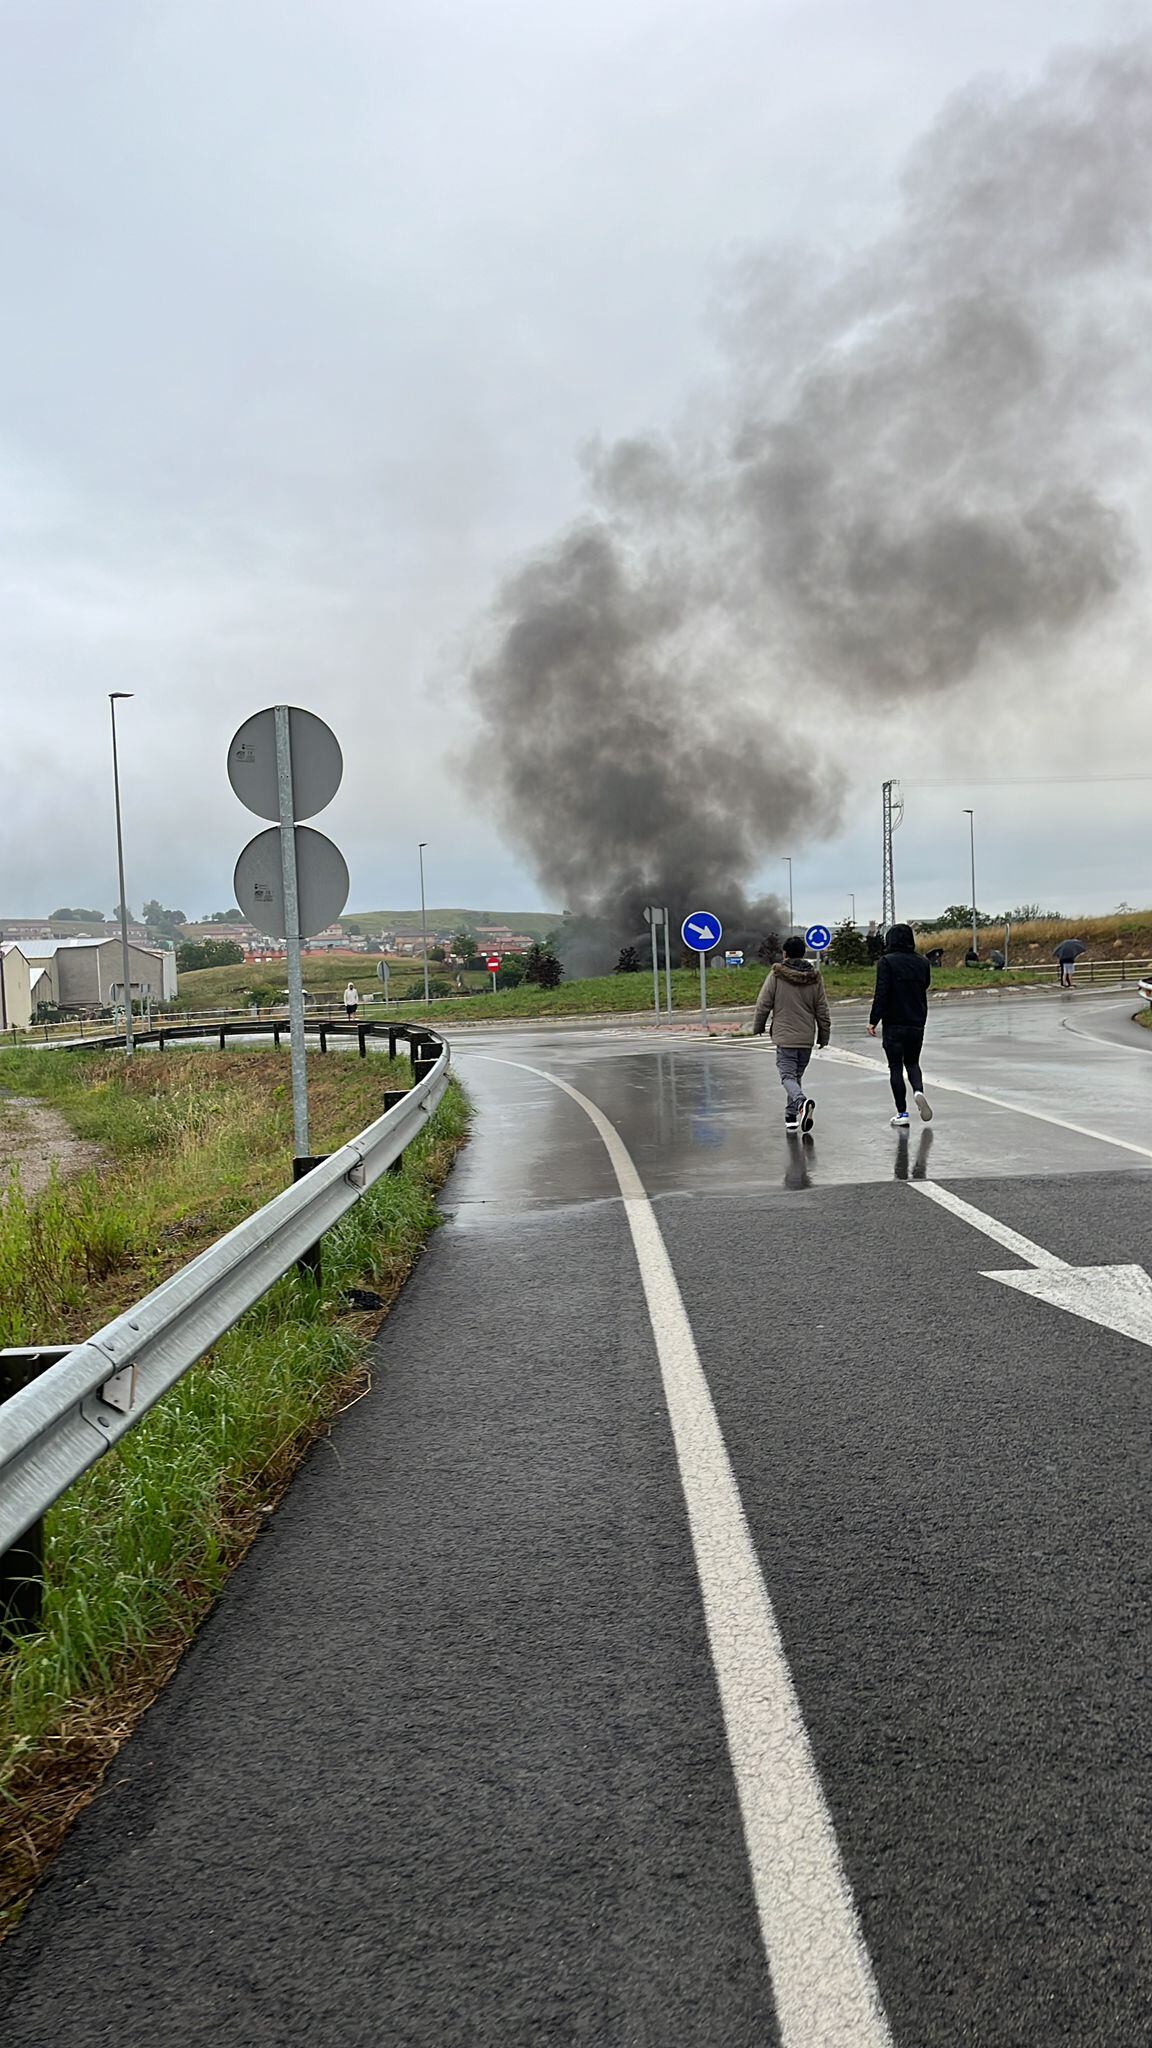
[
  {"x": 1124, "y": 935},
  {"x": 534, "y": 922}
]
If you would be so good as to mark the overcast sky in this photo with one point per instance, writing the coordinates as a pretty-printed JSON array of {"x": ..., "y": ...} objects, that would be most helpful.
[{"x": 308, "y": 312}]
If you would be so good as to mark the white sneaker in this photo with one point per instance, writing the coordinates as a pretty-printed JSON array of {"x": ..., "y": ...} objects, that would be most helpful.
[
  {"x": 923, "y": 1105},
  {"x": 901, "y": 1122}
]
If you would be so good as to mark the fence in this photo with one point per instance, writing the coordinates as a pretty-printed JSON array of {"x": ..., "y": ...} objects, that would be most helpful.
[
  {"x": 1108, "y": 973},
  {"x": 62, "y": 1408}
]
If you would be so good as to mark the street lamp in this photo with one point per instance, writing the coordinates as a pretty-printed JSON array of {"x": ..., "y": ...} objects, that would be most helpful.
[
  {"x": 787, "y": 859},
  {"x": 424, "y": 922},
  {"x": 971, "y": 817},
  {"x": 115, "y": 697},
  {"x": 852, "y": 901}
]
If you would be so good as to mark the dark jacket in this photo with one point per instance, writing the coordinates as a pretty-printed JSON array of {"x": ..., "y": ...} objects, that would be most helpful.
[
  {"x": 793, "y": 996},
  {"x": 901, "y": 999}
]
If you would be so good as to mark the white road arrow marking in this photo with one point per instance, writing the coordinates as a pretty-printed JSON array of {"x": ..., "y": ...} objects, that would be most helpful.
[
  {"x": 1118, "y": 1297},
  {"x": 1115, "y": 1297}
]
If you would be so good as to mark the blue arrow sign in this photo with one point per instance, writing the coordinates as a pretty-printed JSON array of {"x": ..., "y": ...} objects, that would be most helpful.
[
  {"x": 817, "y": 938},
  {"x": 701, "y": 932}
]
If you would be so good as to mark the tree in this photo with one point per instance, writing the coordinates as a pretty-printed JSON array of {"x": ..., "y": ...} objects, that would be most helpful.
[
  {"x": 123, "y": 910},
  {"x": 769, "y": 950},
  {"x": 159, "y": 919},
  {"x": 208, "y": 953},
  {"x": 542, "y": 966},
  {"x": 510, "y": 972},
  {"x": 629, "y": 961},
  {"x": 439, "y": 988},
  {"x": 437, "y": 953},
  {"x": 223, "y": 917},
  {"x": 464, "y": 945},
  {"x": 76, "y": 917},
  {"x": 956, "y": 917},
  {"x": 847, "y": 948},
  {"x": 352, "y": 931}
]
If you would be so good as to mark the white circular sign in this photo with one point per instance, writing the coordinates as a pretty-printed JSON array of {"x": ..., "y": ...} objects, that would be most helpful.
[
  {"x": 317, "y": 763},
  {"x": 321, "y": 882}
]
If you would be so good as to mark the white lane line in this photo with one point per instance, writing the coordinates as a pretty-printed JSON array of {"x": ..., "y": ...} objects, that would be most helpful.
[
  {"x": 825, "y": 1992},
  {"x": 1113, "y": 1044},
  {"x": 1021, "y": 1247},
  {"x": 1044, "y": 1116}
]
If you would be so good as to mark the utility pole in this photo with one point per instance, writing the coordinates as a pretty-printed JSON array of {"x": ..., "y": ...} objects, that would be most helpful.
[
  {"x": 971, "y": 817},
  {"x": 115, "y": 697},
  {"x": 787, "y": 859},
  {"x": 893, "y": 813},
  {"x": 852, "y": 901},
  {"x": 424, "y": 922}
]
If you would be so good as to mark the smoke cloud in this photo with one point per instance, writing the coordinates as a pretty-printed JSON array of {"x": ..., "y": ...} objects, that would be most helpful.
[{"x": 921, "y": 469}]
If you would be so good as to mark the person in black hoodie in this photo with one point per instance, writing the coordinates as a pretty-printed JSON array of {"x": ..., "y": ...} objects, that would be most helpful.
[{"x": 900, "y": 1010}]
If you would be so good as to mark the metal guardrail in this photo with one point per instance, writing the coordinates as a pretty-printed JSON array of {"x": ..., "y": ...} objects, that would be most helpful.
[
  {"x": 89, "y": 1396},
  {"x": 418, "y": 1035}
]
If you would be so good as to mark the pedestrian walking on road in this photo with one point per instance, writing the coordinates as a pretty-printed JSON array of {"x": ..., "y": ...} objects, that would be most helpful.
[
  {"x": 900, "y": 1012},
  {"x": 351, "y": 999},
  {"x": 1067, "y": 953},
  {"x": 793, "y": 996}
]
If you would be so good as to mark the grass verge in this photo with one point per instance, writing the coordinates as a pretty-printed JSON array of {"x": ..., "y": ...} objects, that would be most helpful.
[{"x": 139, "y": 1548}]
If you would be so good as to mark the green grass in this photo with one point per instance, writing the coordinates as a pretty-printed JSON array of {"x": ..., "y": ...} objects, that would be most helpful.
[
  {"x": 613, "y": 994},
  {"x": 325, "y": 978},
  {"x": 140, "y": 1547}
]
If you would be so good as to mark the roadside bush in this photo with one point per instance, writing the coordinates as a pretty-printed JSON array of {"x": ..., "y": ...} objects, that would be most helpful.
[{"x": 847, "y": 948}]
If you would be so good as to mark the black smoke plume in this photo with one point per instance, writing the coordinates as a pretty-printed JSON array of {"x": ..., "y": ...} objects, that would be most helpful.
[{"x": 920, "y": 479}]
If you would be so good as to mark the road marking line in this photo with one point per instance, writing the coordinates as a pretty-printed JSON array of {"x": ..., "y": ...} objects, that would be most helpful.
[
  {"x": 822, "y": 1978},
  {"x": 1044, "y": 1116},
  {"x": 1012, "y": 1241},
  {"x": 1113, "y": 1044}
]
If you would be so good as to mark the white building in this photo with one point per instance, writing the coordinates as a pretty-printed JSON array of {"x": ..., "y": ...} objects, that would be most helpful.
[
  {"x": 88, "y": 974},
  {"x": 16, "y": 1000}
]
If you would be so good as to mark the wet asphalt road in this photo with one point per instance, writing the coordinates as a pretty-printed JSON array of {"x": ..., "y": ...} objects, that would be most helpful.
[{"x": 449, "y": 1763}]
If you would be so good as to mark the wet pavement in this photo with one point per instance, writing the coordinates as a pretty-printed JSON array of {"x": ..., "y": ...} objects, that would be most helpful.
[
  {"x": 449, "y": 1762},
  {"x": 707, "y": 1115}
]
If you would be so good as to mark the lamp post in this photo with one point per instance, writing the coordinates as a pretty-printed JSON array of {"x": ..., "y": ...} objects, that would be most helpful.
[
  {"x": 115, "y": 697},
  {"x": 787, "y": 860},
  {"x": 971, "y": 817},
  {"x": 424, "y": 922},
  {"x": 852, "y": 901}
]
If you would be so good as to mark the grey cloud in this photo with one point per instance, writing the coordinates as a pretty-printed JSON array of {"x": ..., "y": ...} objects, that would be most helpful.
[{"x": 928, "y": 465}]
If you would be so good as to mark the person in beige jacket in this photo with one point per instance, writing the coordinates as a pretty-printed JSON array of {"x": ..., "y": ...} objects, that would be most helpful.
[{"x": 793, "y": 996}]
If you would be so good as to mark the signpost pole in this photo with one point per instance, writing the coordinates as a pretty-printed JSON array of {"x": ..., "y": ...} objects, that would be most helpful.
[
  {"x": 292, "y": 934},
  {"x": 704, "y": 989},
  {"x": 651, "y": 915},
  {"x": 667, "y": 964}
]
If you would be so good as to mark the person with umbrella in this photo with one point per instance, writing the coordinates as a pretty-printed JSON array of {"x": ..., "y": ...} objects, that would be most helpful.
[{"x": 1067, "y": 953}]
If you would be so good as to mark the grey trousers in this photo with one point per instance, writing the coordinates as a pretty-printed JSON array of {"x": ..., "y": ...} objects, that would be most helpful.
[{"x": 791, "y": 1061}]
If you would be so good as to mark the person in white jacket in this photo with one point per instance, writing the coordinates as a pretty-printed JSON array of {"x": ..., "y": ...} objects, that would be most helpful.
[{"x": 351, "y": 999}]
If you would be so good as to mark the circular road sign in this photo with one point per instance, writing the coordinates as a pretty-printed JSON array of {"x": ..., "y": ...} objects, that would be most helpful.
[
  {"x": 701, "y": 932},
  {"x": 321, "y": 882},
  {"x": 492, "y": 963},
  {"x": 817, "y": 938},
  {"x": 317, "y": 764}
]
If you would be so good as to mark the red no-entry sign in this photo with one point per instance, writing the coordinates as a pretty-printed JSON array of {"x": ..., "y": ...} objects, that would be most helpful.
[{"x": 493, "y": 963}]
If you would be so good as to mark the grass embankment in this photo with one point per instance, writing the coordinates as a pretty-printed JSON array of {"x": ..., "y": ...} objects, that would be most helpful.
[
  {"x": 325, "y": 977},
  {"x": 613, "y": 994},
  {"x": 139, "y": 1548},
  {"x": 1125, "y": 935},
  {"x": 1031, "y": 945}
]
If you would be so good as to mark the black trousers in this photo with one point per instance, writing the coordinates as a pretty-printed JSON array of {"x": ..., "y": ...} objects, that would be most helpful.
[{"x": 902, "y": 1043}]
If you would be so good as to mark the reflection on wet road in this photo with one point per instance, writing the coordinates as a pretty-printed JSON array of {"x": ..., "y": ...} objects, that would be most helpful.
[{"x": 707, "y": 1116}]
